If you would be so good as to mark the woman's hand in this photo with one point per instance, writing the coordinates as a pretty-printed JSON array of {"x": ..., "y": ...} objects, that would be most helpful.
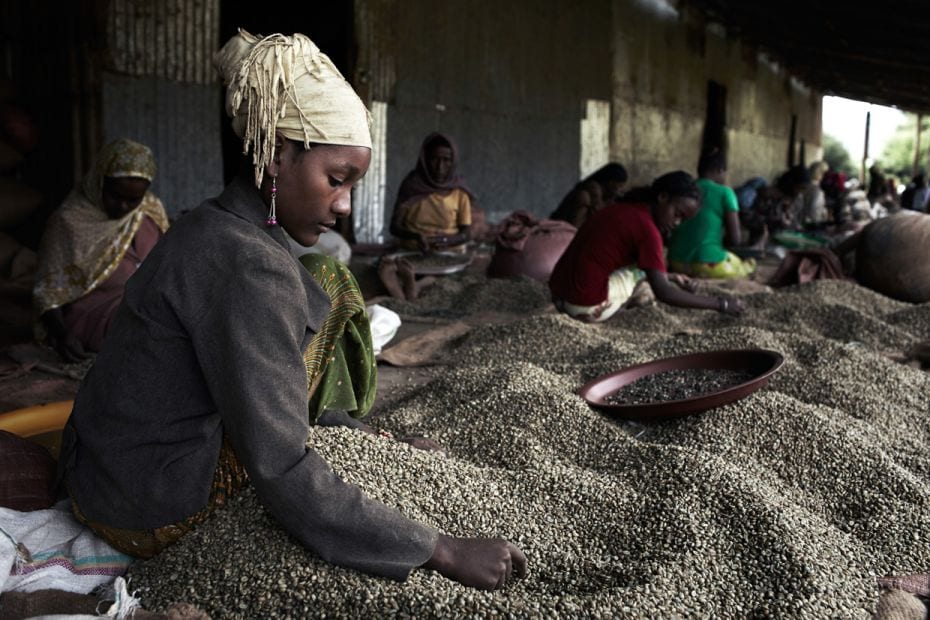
[
  {"x": 417, "y": 441},
  {"x": 730, "y": 305},
  {"x": 683, "y": 282},
  {"x": 423, "y": 242},
  {"x": 422, "y": 443},
  {"x": 483, "y": 563}
]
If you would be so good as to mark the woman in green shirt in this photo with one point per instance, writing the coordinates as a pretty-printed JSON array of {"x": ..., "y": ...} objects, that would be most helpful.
[{"x": 697, "y": 246}]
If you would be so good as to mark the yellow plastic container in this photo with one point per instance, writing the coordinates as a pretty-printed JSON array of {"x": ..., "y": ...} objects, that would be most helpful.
[{"x": 40, "y": 423}]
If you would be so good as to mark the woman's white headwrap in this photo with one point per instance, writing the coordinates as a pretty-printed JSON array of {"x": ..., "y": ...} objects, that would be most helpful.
[{"x": 286, "y": 84}]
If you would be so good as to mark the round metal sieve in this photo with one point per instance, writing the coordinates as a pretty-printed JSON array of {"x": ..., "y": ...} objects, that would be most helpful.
[{"x": 761, "y": 363}]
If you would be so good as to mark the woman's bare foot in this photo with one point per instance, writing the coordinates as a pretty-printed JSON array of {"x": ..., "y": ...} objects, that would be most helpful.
[
  {"x": 423, "y": 283},
  {"x": 388, "y": 272},
  {"x": 408, "y": 278},
  {"x": 761, "y": 241},
  {"x": 642, "y": 295}
]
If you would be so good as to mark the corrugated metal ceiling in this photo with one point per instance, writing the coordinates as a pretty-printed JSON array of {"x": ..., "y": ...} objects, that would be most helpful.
[{"x": 870, "y": 51}]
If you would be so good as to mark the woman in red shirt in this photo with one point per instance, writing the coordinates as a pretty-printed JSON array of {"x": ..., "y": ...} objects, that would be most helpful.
[{"x": 621, "y": 244}]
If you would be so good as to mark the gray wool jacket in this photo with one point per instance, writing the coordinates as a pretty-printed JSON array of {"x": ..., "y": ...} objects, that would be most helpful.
[{"x": 209, "y": 339}]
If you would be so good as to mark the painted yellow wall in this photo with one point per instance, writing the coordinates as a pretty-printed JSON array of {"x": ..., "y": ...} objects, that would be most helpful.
[{"x": 662, "y": 61}]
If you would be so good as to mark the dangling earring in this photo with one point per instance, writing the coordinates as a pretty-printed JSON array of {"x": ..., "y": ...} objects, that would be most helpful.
[{"x": 272, "y": 219}]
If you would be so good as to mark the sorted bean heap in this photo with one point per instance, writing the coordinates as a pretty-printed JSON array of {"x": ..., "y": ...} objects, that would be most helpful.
[
  {"x": 461, "y": 294},
  {"x": 787, "y": 503},
  {"x": 677, "y": 385}
]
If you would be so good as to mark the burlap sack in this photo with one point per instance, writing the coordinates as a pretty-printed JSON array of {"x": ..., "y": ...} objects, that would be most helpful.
[
  {"x": 802, "y": 266},
  {"x": 893, "y": 257},
  {"x": 899, "y": 605},
  {"x": 527, "y": 247}
]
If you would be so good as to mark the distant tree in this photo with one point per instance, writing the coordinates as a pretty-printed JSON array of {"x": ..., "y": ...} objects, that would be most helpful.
[
  {"x": 898, "y": 157},
  {"x": 835, "y": 154}
]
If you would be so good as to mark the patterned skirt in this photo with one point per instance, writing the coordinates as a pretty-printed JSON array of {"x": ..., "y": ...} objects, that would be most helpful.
[{"x": 228, "y": 479}]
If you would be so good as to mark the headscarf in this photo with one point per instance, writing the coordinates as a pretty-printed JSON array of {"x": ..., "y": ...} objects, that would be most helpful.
[
  {"x": 816, "y": 171},
  {"x": 419, "y": 182},
  {"x": 676, "y": 184},
  {"x": 340, "y": 359},
  {"x": 608, "y": 172},
  {"x": 81, "y": 245},
  {"x": 286, "y": 84}
]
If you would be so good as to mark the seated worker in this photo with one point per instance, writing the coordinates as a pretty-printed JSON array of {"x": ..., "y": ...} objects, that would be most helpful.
[
  {"x": 916, "y": 195},
  {"x": 878, "y": 184},
  {"x": 777, "y": 207},
  {"x": 590, "y": 194},
  {"x": 433, "y": 207},
  {"x": 611, "y": 252},
  {"x": 93, "y": 243},
  {"x": 225, "y": 348},
  {"x": 833, "y": 185},
  {"x": 433, "y": 211},
  {"x": 696, "y": 247},
  {"x": 814, "y": 213}
]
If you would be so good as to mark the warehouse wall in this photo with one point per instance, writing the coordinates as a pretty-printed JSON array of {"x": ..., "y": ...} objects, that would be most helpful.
[
  {"x": 515, "y": 84},
  {"x": 159, "y": 88},
  {"x": 535, "y": 92},
  {"x": 508, "y": 81},
  {"x": 662, "y": 62}
]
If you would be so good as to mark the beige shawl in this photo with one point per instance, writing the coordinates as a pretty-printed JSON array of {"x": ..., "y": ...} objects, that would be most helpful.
[{"x": 81, "y": 245}]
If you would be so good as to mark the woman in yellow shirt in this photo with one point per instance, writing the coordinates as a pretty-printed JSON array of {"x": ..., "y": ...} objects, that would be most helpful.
[{"x": 433, "y": 208}]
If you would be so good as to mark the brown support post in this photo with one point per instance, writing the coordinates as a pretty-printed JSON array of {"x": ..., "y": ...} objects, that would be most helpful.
[
  {"x": 916, "y": 169},
  {"x": 865, "y": 151}
]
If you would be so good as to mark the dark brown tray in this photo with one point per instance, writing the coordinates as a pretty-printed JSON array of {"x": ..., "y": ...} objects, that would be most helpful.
[{"x": 762, "y": 363}]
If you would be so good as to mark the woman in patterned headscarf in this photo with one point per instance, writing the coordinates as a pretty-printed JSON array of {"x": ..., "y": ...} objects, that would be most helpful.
[
  {"x": 93, "y": 243},
  {"x": 226, "y": 349}
]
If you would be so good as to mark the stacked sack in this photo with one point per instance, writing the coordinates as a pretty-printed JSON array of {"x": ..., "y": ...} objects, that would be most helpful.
[{"x": 892, "y": 256}]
